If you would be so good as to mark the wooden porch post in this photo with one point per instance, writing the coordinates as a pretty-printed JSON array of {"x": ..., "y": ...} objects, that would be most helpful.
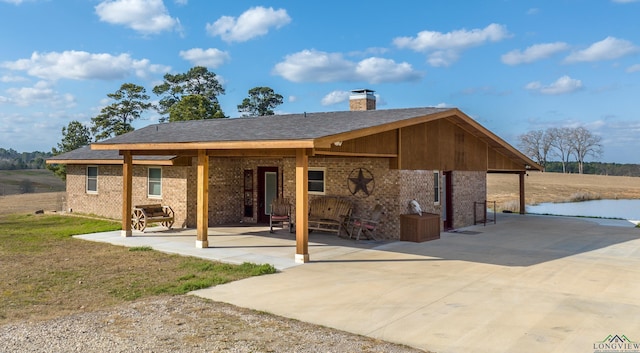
[
  {"x": 127, "y": 184},
  {"x": 302, "y": 204},
  {"x": 202, "y": 216},
  {"x": 522, "y": 200}
]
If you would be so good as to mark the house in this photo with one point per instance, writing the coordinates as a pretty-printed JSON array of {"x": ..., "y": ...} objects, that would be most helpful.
[{"x": 224, "y": 171}]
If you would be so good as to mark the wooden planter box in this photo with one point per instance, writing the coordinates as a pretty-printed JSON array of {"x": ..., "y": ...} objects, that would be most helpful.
[{"x": 419, "y": 228}]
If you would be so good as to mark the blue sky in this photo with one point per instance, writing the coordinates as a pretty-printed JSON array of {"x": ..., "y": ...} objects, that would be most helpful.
[{"x": 512, "y": 65}]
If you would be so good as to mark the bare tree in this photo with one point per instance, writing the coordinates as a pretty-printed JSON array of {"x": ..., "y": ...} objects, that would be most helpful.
[
  {"x": 537, "y": 145},
  {"x": 584, "y": 144},
  {"x": 561, "y": 143}
]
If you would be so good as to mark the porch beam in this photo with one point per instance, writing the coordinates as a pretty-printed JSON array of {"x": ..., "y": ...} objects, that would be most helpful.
[
  {"x": 127, "y": 185},
  {"x": 522, "y": 199},
  {"x": 202, "y": 240},
  {"x": 302, "y": 203},
  {"x": 355, "y": 154},
  {"x": 278, "y": 152}
]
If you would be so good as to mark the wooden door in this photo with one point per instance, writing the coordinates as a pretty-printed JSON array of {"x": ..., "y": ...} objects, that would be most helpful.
[{"x": 447, "y": 207}]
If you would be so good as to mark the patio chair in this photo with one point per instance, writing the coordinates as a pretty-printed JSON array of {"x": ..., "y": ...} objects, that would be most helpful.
[
  {"x": 280, "y": 213},
  {"x": 367, "y": 226}
]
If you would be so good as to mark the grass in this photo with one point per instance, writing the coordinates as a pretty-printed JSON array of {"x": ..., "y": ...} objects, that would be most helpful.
[
  {"x": 558, "y": 187},
  {"x": 584, "y": 196},
  {"x": 47, "y": 273}
]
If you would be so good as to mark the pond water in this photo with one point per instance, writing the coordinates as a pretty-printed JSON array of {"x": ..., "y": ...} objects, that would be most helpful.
[{"x": 625, "y": 209}]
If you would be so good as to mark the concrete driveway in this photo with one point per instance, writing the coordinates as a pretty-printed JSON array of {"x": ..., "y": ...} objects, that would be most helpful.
[{"x": 526, "y": 284}]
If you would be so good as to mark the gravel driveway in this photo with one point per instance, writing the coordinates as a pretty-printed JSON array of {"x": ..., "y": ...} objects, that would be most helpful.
[{"x": 181, "y": 324}]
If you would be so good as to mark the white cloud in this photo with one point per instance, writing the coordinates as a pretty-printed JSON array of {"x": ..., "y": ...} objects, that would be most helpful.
[
  {"x": 335, "y": 97},
  {"x": 378, "y": 70},
  {"x": 533, "y": 11},
  {"x": 211, "y": 57},
  {"x": 318, "y": 66},
  {"x": 624, "y": 1},
  {"x": 564, "y": 84},
  {"x": 292, "y": 99},
  {"x": 145, "y": 16},
  {"x": 80, "y": 65},
  {"x": 445, "y": 48},
  {"x": 12, "y": 78},
  {"x": 607, "y": 49},
  {"x": 252, "y": 23},
  {"x": 41, "y": 93},
  {"x": 533, "y": 53},
  {"x": 634, "y": 68}
]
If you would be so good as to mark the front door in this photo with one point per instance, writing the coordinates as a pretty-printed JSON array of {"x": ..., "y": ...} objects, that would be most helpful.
[{"x": 267, "y": 191}]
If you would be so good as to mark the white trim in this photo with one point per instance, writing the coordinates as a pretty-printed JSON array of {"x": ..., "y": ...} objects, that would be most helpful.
[
  {"x": 86, "y": 180},
  {"x": 149, "y": 195},
  {"x": 324, "y": 180},
  {"x": 301, "y": 258},
  {"x": 202, "y": 244}
]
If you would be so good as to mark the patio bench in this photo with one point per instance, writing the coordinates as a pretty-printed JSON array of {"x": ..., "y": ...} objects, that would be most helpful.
[
  {"x": 329, "y": 214},
  {"x": 144, "y": 214}
]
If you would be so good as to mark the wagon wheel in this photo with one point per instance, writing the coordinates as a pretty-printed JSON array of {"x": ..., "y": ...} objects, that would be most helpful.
[
  {"x": 138, "y": 220},
  {"x": 168, "y": 212}
]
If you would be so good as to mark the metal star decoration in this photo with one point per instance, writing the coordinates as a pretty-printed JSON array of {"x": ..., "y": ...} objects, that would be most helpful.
[{"x": 360, "y": 183}]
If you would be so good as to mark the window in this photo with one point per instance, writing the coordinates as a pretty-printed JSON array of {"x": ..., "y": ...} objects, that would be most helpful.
[
  {"x": 436, "y": 187},
  {"x": 316, "y": 180},
  {"x": 155, "y": 182},
  {"x": 92, "y": 179}
]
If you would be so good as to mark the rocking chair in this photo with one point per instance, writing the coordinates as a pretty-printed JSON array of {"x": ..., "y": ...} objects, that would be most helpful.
[
  {"x": 367, "y": 226},
  {"x": 280, "y": 213}
]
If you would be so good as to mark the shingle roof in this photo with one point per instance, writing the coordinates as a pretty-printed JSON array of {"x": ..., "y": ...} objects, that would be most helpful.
[
  {"x": 275, "y": 127},
  {"x": 86, "y": 153}
]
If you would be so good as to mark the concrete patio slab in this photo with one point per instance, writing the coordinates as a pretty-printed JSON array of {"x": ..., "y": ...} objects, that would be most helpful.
[
  {"x": 526, "y": 284},
  {"x": 235, "y": 244}
]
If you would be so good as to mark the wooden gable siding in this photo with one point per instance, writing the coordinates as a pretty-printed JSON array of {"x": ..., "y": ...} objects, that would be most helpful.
[
  {"x": 500, "y": 162},
  {"x": 384, "y": 143},
  {"x": 441, "y": 145}
]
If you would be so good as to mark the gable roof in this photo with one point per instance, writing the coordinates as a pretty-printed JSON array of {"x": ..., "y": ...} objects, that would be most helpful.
[
  {"x": 291, "y": 131},
  {"x": 285, "y": 131}
]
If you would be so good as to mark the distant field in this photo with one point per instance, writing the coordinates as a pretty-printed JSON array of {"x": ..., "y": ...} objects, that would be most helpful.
[
  {"x": 558, "y": 187},
  {"x": 29, "y": 203},
  {"x": 47, "y": 191},
  {"x": 41, "y": 180}
]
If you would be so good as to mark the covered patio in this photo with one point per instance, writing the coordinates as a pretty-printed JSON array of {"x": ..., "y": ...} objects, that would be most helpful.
[{"x": 238, "y": 243}]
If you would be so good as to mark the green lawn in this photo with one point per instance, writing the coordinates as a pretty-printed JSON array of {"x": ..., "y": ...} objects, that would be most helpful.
[{"x": 45, "y": 273}]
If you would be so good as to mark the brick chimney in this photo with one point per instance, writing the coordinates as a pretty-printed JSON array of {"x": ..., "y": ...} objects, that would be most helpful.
[{"x": 362, "y": 99}]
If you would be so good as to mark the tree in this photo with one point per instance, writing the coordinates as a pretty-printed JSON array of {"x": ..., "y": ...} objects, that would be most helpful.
[
  {"x": 583, "y": 144},
  {"x": 190, "y": 96},
  {"x": 537, "y": 145},
  {"x": 261, "y": 102},
  {"x": 561, "y": 143},
  {"x": 74, "y": 136},
  {"x": 116, "y": 118}
]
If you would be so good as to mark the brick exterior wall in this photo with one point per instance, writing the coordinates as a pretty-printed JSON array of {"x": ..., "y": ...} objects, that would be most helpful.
[
  {"x": 393, "y": 189},
  {"x": 107, "y": 202},
  {"x": 468, "y": 187}
]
